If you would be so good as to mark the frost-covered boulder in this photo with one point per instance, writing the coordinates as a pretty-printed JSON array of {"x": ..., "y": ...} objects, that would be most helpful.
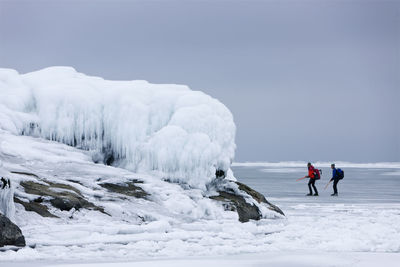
[
  {"x": 179, "y": 134},
  {"x": 248, "y": 203},
  {"x": 10, "y": 234}
]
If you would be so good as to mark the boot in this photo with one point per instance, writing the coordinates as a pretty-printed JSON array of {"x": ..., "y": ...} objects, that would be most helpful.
[
  {"x": 316, "y": 194},
  {"x": 309, "y": 194},
  {"x": 334, "y": 194}
]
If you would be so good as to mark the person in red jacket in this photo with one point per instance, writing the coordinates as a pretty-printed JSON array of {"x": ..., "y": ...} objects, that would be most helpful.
[{"x": 311, "y": 182}]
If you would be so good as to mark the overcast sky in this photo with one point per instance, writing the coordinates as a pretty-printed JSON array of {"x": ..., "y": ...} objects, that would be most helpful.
[{"x": 305, "y": 80}]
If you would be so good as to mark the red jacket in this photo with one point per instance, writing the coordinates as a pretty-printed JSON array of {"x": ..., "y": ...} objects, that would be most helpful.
[{"x": 311, "y": 172}]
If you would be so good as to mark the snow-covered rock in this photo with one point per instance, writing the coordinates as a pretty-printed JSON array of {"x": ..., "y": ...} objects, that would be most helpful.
[{"x": 180, "y": 134}]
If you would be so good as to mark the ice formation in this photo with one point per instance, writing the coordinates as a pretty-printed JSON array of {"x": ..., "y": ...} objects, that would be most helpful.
[
  {"x": 168, "y": 129},
  {"x": 7, "y": 206}
]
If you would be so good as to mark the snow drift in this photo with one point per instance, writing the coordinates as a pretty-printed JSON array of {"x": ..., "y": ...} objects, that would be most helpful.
[{"x": 180, "y": 134}]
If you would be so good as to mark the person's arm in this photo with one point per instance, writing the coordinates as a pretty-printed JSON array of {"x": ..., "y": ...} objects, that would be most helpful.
[
  {"x": 333, "y": 174},
  {"x": 311, "y": 173}
]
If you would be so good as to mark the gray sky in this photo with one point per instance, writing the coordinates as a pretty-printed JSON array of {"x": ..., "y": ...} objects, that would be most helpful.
[{"x": 305, "y": 80}]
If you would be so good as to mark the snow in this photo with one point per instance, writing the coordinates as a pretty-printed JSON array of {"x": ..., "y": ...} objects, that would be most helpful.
[
  {"x": 180, "y": 223},
  {"x": 299, "y": 259},
  {"x": 180, "y": 134},
  {"x": 276, "y": 259}
]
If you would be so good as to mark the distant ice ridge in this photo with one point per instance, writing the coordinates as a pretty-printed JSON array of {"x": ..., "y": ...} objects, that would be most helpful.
[
  {"x": 340, "y": 164},
  {"x": 180, "y": 134}
]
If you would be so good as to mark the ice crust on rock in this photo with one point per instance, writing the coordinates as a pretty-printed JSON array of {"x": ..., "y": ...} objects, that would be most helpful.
[{"x": 180, "y": 134}]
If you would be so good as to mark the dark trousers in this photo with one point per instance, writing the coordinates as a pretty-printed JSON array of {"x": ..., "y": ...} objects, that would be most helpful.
[
  {"x": 312, "y": 183},
  {"x": 335, "y": 182}
]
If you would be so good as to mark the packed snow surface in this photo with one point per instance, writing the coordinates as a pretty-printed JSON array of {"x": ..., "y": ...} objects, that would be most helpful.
[
  {"x": 275, "y": 259},
  {"x": 182, "y": 135}
]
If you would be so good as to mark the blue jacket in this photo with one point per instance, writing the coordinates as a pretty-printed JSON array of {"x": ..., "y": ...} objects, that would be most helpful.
[{"x": 334, "y": 174}]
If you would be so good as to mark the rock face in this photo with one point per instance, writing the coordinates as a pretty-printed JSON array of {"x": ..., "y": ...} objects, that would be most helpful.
[
  {"x": 35, "y": 206},
  {"x": 10, "y": 234},
  {"x": 260, "y": 198},
  {"x": 66, "y": 196},
  {"x": 61, "y": 196},
  {"x": 234, "y": 197},
  {"x": 128, "y": 189},
  {"x": 234, "y": 202}
]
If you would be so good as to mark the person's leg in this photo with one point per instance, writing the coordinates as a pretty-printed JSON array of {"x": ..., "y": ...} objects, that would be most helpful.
[
  {"x": 309, "y": 186},
  {"x": 315, "y": 188},
  {"x": 335, "y": 182}
]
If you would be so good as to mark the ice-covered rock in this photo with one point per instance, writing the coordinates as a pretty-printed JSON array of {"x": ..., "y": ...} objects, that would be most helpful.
[
  {"x": 248, "y": 203},
  {"x": 180, "y": 134}
]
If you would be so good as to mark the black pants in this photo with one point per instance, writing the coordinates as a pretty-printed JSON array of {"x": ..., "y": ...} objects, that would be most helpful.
[
  {"x": 312, "y": 183},
  {"x": 335, "y": 182}
]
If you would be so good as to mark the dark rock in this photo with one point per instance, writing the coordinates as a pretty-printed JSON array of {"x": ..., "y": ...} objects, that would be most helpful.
[
  {"x": 10, "y": 234},
  {"x": 34, "y": 206},
  {"x": 62, "y": 196},
  {"x": 235, "y": 201},
  {"x": 108, "y": 156},
  {"x": 259, "y": 197},
  {"x": 67, "y": 203},
  {"x": 38, "y": 200},
  {"x": 109, "y": 160},
  {"x": 129, "y": 189},
  {"x": 219, "y": 174}
]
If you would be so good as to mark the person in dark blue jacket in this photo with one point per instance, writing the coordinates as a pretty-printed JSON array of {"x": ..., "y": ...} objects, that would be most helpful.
[{"x": 335, "y": 178}]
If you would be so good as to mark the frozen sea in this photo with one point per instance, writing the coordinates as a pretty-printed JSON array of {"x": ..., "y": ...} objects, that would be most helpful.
[
  {"x": 364, "y": 217},
  {"x": 361, "y": 186},
  {"x": 360, "y": 227}
]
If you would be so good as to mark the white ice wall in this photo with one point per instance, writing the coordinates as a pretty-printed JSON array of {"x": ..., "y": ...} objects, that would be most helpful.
[{"x": 181, "y": 134}]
